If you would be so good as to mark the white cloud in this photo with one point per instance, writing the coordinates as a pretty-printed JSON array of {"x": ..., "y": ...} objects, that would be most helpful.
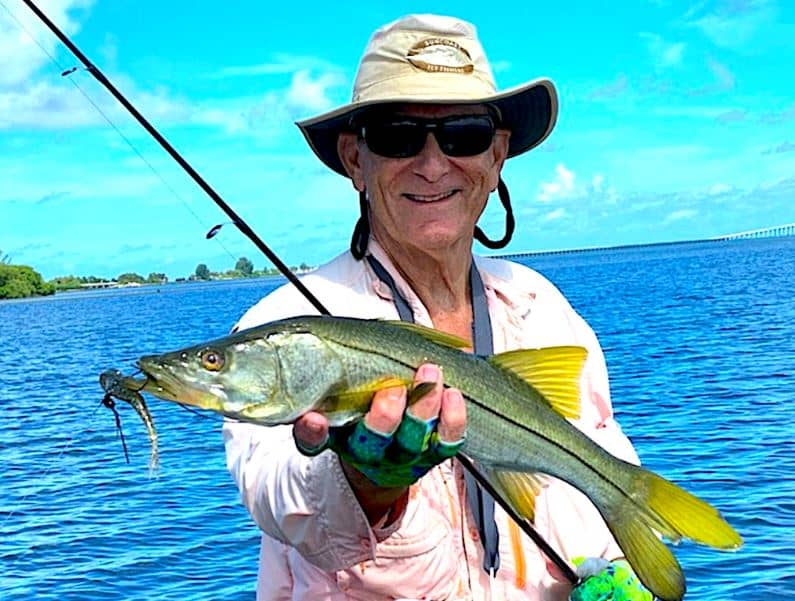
[
  {"x": 565, "y": 187},
  {"x": 724, "y": 77},
  {"x": 780, "y": 149},
  {"x": 597, "y": 181},
  {"x": 776, "y": 117},
  {"x": 21, "y": 56},
  {"x": 282, "y": 64},
  {"x": 308, "y": 94},
  {"x": 732, "y": 116},
  {"x": 610, "y": 90},
  {"x": 558, "y": 213},
  {"x": 56, "y": 106},
  {"x": 735, "y": 24},
  {"x": 561, "y": 187},
  {"x": 719, "y": 188},
  {"x": 46, "y": 106},
  {"x": 692, "y": 110},
  {"x": 680, "y": 215},
  {"x": 665, "y": 54},
  {"x": 33, "y": 98}
]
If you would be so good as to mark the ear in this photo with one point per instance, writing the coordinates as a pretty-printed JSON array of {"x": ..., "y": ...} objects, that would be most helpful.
[
  {"x": 348, "y": 151},
  {"x": 499, "y": 152}
]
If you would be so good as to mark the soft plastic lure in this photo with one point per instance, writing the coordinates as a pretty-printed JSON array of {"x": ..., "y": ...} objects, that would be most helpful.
[{"x": 125, "y": 388}]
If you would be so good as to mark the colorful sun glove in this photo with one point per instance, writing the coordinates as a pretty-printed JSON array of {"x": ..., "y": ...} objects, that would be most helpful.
[
  {"x": 390, "y": 460},
  {"x": 604, "y": 580},
  {"x": 399, "y": 459}
]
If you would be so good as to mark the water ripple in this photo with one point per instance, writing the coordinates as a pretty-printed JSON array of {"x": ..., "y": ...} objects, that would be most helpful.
[{"x": 702, "y": 365}]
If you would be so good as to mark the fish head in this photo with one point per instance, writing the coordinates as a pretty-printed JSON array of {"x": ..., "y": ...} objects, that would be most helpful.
[{"x": 239, "y": 379}]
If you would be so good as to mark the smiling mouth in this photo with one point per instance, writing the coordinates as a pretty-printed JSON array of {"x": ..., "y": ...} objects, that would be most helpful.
[{"x": 430, "y": 198}]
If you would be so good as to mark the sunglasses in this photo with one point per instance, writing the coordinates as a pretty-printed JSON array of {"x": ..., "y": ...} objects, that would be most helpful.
[{"x": 403, "y": 137}]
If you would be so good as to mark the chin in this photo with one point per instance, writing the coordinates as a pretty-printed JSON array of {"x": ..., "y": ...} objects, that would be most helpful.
[{"x": 434, "y": 239}]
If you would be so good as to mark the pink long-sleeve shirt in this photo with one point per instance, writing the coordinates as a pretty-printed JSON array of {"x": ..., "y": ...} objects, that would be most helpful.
[{"x": 317, "y": 542}]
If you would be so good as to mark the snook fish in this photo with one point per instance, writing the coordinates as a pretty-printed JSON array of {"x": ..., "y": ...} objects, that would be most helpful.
[{"x": 516, "y": 405}]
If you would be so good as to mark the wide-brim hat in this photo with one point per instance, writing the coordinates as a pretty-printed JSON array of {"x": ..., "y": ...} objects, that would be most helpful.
[{"x": 430, "y": 59}]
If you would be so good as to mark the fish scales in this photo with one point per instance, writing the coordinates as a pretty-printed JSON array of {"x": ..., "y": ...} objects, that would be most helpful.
[{"x": 478, "y": 380}]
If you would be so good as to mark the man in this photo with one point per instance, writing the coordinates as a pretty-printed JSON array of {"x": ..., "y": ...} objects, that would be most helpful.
[{"x": 423, "y": 143}]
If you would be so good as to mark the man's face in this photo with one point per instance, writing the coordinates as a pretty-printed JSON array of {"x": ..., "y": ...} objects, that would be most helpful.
[{"x": 428, "y": 201}]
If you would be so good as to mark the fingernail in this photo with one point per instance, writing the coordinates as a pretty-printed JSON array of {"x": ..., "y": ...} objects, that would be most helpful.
[
  {"x": 314, "y": 428},
  {"x": 428, "y": 373},
  {"x": 454, "y": 394}
]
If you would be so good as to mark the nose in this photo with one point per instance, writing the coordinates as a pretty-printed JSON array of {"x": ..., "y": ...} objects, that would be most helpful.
[{"x": 431, "y": 163}]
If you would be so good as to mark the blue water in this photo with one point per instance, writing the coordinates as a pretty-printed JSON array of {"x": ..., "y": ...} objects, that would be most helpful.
[{"x": 700, "y": 342}]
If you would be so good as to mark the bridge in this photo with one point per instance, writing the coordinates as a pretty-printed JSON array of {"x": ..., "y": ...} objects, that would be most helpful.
[
  {"x": 788, "y": 229},
  {"x": 776, "y": 231}
]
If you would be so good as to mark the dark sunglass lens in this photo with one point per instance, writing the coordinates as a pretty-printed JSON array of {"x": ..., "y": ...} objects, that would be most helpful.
[
  {"x": 395, "y": 140},
  {"x": 466, "y": 136}
]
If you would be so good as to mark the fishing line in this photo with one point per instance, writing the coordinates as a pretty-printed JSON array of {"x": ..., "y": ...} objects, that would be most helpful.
[{"x": 67, "y": 73}]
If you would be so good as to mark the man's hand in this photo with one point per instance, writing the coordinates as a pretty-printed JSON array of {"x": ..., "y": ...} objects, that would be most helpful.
[{"x": 392, "y": 446}]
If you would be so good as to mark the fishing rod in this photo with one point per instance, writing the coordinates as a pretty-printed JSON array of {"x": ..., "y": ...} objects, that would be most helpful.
[
  {"x": 238, "y": 221},
  {"x": 208, "y": 189}
]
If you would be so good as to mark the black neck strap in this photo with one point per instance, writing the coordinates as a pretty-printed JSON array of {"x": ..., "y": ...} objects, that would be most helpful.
[{"x": 480, "y": 501}]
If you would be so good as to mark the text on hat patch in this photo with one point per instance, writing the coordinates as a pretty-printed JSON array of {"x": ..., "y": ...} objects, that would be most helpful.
[{"x": 440, "y": 55}]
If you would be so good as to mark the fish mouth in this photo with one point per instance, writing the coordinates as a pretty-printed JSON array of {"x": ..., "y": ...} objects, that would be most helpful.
[
  {"x": 157, "y": 380},
  {"x": 164, "y": 384}
]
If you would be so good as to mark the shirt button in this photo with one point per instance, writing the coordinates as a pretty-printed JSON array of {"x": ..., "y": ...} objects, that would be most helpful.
[
  {"x": 473, "y": 533},
  {"x": 343, "y": 581}
]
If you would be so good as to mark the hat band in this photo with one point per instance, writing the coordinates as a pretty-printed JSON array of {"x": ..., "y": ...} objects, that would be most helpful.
[{"x": 427, "y": 87}]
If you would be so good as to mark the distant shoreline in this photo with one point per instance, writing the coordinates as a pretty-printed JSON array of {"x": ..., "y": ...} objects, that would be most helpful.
[
  {"x": 111, "y": 285},
  {"x": 149, "y": 288}
]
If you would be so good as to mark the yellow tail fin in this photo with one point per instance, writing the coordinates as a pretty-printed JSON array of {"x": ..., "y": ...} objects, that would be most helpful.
[{"x": 655, "y": 503}]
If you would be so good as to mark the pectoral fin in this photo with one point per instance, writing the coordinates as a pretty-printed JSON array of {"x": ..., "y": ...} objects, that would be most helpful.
[{"x": 344, "y": 406}]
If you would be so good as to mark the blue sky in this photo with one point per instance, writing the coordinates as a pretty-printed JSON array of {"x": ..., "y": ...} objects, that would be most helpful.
[{"x": 677, "y": 121}]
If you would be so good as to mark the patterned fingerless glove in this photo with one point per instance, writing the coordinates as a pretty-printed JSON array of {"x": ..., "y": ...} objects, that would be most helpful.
[{"x": 390, "y": 460}]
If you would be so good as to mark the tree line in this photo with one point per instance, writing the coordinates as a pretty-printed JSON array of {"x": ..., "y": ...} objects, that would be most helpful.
[
  {"x": 244, "y": 268},
  {"x": 22, "y": 281}
]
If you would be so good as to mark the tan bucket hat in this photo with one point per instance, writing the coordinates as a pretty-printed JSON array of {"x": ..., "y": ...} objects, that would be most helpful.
[{"x": 436, "y": 60}]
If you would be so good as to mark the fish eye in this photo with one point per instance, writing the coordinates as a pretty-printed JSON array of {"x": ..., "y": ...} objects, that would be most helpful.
[{"x": 211, "y": 359}]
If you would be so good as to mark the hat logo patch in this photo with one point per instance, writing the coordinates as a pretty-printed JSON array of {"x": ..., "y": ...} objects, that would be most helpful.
[{"x": 440, "y": 55}]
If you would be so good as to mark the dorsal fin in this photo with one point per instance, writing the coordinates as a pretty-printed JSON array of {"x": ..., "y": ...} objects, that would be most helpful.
[
  {"x": 553, "y": 371},
  {"x": 436, "y": 336}
]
